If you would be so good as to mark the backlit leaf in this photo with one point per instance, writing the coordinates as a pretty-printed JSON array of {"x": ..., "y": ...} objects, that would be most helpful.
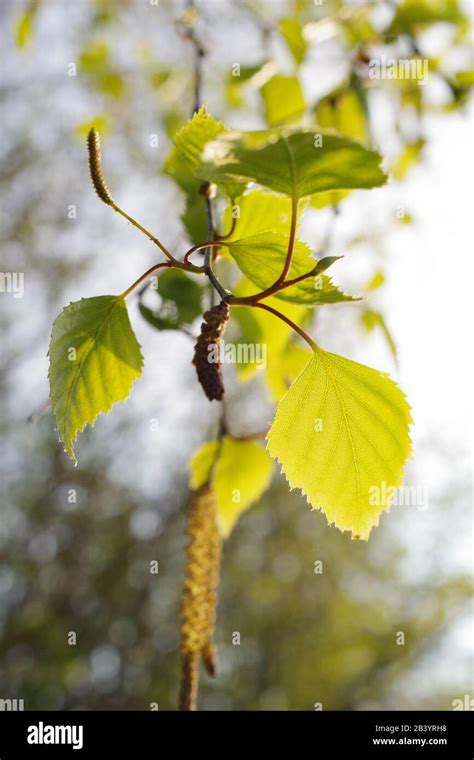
[
  {"x": 297, "y": 162},
  {"x": 341, "y": 434},
  {"x": 258, "y": 211},
  {"x": 261, "y": 257},
  {"x": 94, "y": 358}
]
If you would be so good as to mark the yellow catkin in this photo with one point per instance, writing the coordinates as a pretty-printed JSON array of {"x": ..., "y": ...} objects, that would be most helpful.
[
  {"x": 95, "y": 167},
  {"x": 199, "y": 598}
]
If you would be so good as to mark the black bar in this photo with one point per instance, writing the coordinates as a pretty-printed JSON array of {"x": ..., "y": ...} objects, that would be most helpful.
[{"x": 156, "y": 734}]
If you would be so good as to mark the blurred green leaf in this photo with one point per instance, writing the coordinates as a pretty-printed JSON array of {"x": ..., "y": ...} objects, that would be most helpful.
[
  {"x": 235, "y": 83},
  {"x": 372, "y": 319},
  {"x": 345, "y": 111},
  {"x": 409, "y": 157},
  {"x": 24, "y": 28},
  {"x": 411, "y": 15},
  {"x": 292, "y": 33},
  {"x": 283, "y": 100},
  {"x": 242, "y": 473}
]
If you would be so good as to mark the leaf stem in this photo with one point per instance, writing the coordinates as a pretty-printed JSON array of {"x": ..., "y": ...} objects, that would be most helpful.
[
  {"x": 143, "y": 277},
  {"x": 281, "y": 316},
  {"x": 146, "y": 232},
  {"x": 199, "y": 247}
]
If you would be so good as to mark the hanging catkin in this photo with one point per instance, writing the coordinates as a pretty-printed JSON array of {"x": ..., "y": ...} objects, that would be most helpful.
[
  {"x": 208, "y": 367},
  {"x": 95, "y": 167},
  {"x": 199, "y": 599}
]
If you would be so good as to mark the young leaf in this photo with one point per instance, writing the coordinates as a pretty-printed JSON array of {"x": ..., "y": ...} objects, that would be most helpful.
[
  {"x": 242, "y": 473},
  {"x": 94, "y": 358},
  {"x": 189, "y": 142},
  {"x": 261, "y": 258},
  {"x": 341, "y": 436},
  {"x": 283, "y": 100},
  {"x": 296, "y": 162}
]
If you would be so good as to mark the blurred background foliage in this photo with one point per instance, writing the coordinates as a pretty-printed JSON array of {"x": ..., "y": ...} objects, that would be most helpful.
[{"x": 82, "y": 563}]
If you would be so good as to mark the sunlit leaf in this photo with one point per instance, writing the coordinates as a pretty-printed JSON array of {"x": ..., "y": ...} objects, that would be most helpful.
[
  {"x": 283, "y": 100},
  {"x": 242, "y": 471},
  {"x": 261, "y": 257},
  {"x": 94, "y": 358},
  {"x": 258, "y": 211},
  {"x": 345, "y": 111},
  {"x": 341, "y": 434},
  {"x": 297, "y": 163},
  {"x": 189, "y": 142}
]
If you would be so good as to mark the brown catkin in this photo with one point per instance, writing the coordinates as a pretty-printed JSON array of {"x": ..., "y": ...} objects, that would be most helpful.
[
  {"x": 199, "y": 598},
  {"x": 208, "y": 368},
  {"x": 95, "y": 167}
]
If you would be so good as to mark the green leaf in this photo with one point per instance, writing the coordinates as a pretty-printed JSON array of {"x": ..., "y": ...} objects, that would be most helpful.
[
  {"x": 283, "y": 100},
  {"x": 194, "y": 218},
  {"x": 410, "y": 156},
  {"x": 189, "y": 142},
  {"x": 242, "y": 473},
  {"x": 258, "y": 211},
  {"x": 236, "y": 81},
  {"x": 94, "y": 358},
  {"x": 341, "y": 434},
  {"x": 292, "y": 33},
  {"x": 157, "y": 319},
  {"x": 297, "y": 163},
  {"x": 24, "y": 28},
  {"x": 345, "y": 111},
  {"x": 261, "y": 257}
]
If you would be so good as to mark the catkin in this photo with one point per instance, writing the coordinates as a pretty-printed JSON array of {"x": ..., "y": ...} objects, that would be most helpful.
[
  {"x": 95, "y": 167},
  {"x": 208, "y": 368},
  {"x": 199, "y": 599}
]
